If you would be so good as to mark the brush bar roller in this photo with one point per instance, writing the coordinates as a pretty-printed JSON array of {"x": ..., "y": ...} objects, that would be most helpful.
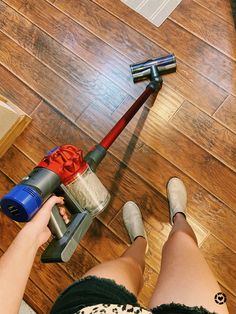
[{"x": 142, "y": 70}]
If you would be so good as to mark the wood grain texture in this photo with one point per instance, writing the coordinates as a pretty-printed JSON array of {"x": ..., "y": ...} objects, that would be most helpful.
[
  {"x": 94, "y": 51},
  {"x": 219, "y": 7},
  {"x": 207, "y": 26},
  {"x": 34, "y": 144},
  {"x": 187, "y": 47},
  {"x": 165, "y": 105},
  {"x": 207, "y": 133},
  {"x": 231, "y": 300},
  {"x": 17, "y": 92},
  {"x": 218, "y": 254},
  {"x": 13, "y": 155},
  {"x": 139, "y": 48},
  {"x": 37, "y": 299},
  {"x": 40, "y": 78},
  {"x": 75, "y": 71},
  {"x": 227, "y": 113},
  {"x": 78, "y": 40}
]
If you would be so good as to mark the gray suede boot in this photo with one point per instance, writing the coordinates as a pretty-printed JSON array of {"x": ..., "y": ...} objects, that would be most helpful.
[
  {"x": 177, "y": 197},
  {"x": 133, "y": 221}
]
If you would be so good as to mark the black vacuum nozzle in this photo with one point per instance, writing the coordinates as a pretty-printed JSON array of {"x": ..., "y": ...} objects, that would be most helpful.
[{"x": 142, "y": 70}]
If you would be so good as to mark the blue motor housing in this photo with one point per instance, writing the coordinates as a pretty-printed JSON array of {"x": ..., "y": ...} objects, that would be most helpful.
[
  {"x": 26, "y": 198},
  {"x": 21, "y": 203}
]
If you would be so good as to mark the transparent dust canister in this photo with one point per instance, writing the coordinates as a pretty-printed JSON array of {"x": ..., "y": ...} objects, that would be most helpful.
[{"x": 89, "y": 192}]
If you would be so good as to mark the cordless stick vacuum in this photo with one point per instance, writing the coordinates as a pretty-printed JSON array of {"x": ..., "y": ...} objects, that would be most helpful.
[{"x": 65, "y": 172}]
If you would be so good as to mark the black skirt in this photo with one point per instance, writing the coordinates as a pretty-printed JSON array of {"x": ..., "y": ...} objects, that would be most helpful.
[{"x": 93, "y": 290}]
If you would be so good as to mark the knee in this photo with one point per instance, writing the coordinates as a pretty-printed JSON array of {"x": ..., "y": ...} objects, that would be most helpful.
[
  {"x": 132, "y": 264},
  {"x": 180, "y": 237}
]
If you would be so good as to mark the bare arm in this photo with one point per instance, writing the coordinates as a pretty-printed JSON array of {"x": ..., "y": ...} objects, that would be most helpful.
[{"x": 17, "y": 261}]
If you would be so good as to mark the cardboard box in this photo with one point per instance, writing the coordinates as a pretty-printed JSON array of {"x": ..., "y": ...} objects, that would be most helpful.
[{"x": 12, "y": 123}]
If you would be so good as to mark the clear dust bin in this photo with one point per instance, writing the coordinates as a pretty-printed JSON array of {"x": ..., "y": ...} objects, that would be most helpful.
[{"x": 89, "y": 192}]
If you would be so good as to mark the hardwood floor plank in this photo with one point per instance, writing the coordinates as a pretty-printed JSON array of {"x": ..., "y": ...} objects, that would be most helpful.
[
  {"x": 37, "y": 300},
  {"x": 227, "y": 113},
  {"x": 6, "y": 184},
  {"x": 231, "y": 300},
  {"x": 165, "y": 104},
  {"x": 37, "y": 76},
  {"x": 121, "y": 180},
  {"x": 78, "y": 40},
  {"x": 99, "y": 238},
  {"x": 187, "y": 47},
  {"x": 80, "y": 75},
  {"x": 220, "y": 8},
  {"x": 34, "y": 144},
  {"x": 17, "y": 92},
  {"x": 216, "y": 254},
  {"x": 80, "y": 262},
  {"x": 13, "y": 156},
  {"x": 94, "y": 51},
  {"x": 166, "y": 140},
  {"x": 207, "y": 133},
  {"x": 96, "y": 20},
  {"x": 207, "y": 26}
]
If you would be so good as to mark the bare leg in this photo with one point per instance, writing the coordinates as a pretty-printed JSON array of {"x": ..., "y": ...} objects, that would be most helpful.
[
  {"x": 126, "y": 270},
  {"x": 185, "y": 276}
]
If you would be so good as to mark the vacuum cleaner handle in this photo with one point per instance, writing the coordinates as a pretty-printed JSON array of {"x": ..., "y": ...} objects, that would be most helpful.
[
  {"x": 57, "y": 224},
  {"x": 66, "y": 236}
]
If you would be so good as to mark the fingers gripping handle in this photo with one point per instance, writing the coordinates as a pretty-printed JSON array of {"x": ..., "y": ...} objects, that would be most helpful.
[{"x": 56, "y": 223}]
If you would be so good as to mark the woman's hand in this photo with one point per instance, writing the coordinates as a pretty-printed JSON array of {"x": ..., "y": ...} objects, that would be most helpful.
[
  {"x": 17, "y": 261},
  {"x": 37, "y": 228}
]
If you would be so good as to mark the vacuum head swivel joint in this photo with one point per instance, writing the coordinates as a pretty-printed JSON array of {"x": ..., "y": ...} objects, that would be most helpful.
[{"x": 144, "y": 70}]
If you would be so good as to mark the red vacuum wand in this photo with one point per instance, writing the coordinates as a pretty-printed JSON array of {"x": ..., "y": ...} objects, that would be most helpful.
[
  {"x": 151, "y": 69},
  {"x": 121, "y": 124}
]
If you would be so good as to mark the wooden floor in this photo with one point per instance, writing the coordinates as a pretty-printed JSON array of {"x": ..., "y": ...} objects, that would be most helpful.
[{"x": 66, "y": 63}]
